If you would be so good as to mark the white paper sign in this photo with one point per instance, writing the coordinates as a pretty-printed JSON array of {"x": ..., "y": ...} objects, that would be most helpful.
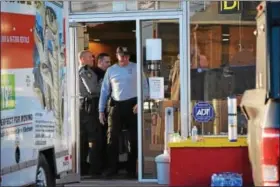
[
  {"x": 153, "y": 49},
  {"x": 156, "y": 87}
]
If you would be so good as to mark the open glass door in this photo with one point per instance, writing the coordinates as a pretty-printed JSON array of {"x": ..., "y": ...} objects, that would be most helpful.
[
  {"x": 71, "y": 78},
  {"x": 76, "y": 44},
  {"x": 160, "y": 62}
]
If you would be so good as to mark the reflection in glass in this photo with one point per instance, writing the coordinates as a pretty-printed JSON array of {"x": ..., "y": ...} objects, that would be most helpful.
[
  {"x": 123, "y": 5},
  {"x": 154, "y": 5},
  {"x": 154, "y": 109},
  {"x": 91, "y": 6},
  {"x": 223, "y": 49}
]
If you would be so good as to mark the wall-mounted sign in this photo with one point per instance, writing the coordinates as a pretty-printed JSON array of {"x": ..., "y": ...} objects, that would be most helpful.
[{"x": 229, "y": 7}]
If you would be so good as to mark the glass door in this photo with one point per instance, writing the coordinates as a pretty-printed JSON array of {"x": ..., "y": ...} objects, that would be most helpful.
[
  {"x": 160, "y": 63},
  {"x": 71, "y": 74},
  {"x": 76, "y": 44}
]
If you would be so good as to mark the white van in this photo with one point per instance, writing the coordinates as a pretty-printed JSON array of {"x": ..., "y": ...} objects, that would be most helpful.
[{"x": 36, "y": 126}]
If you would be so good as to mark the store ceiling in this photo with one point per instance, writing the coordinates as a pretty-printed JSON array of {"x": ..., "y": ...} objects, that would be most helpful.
[{"x": 111, "y": 31}]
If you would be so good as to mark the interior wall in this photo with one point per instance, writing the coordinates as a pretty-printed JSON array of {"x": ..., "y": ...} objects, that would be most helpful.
[
  {"x": 110, "y": 35},
  {"x": 80, "y": 38},
  {"x": 209, "y": 40},
  {"x": 242, "y": 37},
  {"x": 110, "y": 47}
]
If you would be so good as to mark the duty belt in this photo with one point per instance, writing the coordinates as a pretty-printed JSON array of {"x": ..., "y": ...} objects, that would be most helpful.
[{"x": 89, "y": 97}]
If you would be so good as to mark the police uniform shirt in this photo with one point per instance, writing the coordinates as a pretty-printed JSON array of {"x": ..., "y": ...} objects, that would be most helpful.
[
  {"x": 89, "y": 85},
  {"x": 100, "y": 73},
  {"x": 121, "y": 83}
]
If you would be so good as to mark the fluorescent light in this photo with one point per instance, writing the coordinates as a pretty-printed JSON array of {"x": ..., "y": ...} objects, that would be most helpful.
[{"x": 96, "y": 40}]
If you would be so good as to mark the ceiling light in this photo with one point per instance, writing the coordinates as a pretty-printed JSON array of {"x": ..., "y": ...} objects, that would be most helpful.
[{"x": 96, "y": 40}]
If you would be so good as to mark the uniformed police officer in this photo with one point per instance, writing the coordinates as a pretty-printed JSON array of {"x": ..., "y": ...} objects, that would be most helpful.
[
  {"x": 98, "y": 151},
  {"x": 120, "y": 83},
  {"x": 89, "y": 92}
]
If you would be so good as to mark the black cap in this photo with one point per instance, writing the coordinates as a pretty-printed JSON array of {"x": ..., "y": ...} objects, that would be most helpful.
[{"x": 121, "y": 50}]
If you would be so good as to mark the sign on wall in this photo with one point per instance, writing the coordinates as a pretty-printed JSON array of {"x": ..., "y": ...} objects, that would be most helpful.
[
  {"x": 246, "y": 8},
  {"x": 229, "y": 7}
]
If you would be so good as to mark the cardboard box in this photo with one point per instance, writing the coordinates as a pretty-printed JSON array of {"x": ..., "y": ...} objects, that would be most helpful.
[{"x": 158, "y": 123}]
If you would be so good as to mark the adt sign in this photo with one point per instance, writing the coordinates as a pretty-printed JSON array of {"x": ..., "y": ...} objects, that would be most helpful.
[{"x": 203, "y": 112}]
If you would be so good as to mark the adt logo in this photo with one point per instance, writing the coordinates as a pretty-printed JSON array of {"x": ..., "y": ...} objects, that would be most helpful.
[{"x": 203, "y": 112}]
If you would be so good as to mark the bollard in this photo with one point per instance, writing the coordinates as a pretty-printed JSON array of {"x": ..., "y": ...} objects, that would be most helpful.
[{"x": 163, "y": 160}]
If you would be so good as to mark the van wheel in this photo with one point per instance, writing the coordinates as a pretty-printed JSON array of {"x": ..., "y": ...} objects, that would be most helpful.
[{"x": 44, "y": 175}]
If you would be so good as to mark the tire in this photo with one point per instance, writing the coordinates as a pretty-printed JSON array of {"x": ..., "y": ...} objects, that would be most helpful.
[{"x": 44, "y": 175}]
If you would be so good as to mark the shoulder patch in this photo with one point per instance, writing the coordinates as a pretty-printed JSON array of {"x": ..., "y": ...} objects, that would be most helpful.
[{"x": 89, "y": 75}]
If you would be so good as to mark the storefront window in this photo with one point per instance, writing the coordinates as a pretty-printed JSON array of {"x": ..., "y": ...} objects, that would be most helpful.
[
  {"x": 123, "y": 5},
  {"x": 223, "y": 50}
]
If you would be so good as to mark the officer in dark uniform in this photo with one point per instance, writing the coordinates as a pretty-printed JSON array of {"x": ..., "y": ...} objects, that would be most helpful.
[
  {"x": 89, "y": 88},
  {"x": 98, "y": 149}
]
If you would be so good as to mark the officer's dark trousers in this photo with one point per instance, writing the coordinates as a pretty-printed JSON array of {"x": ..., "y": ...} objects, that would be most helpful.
[
  {"x": 91, "y": 137},
  {"x": 85, "y": 122},
  {"x": 97, "y": 151},
  {"x": 121, "y": 117}
]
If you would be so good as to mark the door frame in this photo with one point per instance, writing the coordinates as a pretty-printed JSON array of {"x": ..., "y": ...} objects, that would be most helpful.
[
  {"x": 72, "y": 69},
  {"x": 183, "y": 17}
]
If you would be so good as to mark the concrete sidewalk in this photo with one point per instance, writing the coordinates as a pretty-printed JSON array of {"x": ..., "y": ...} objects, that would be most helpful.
[{"x": 111, "y": 183}]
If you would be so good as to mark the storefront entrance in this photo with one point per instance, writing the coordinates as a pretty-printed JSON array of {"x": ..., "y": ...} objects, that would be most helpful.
[
  {"x": 208, "y": 55},
  {"x": 154, "y": 30}
]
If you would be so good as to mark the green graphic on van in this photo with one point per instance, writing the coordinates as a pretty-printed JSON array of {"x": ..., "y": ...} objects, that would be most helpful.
[{"x": 8, "y": 96}]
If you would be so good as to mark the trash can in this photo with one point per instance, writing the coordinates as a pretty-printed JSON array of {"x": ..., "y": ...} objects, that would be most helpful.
[{"x": 163, "y": 167}]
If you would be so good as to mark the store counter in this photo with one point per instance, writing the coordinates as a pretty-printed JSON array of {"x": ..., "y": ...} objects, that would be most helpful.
[{"x": 193, "y": 163}]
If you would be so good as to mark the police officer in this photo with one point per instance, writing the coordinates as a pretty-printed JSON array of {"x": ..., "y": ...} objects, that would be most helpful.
[
  {"x": 120, "y": 83},
  {"x": 89, "y": 88},
  {"x": 103, "y": 62},
  {"x": 98, "y": 150}
]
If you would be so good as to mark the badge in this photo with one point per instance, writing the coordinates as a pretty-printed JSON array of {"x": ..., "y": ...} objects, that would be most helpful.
[
  {"x": 89, "y": 75},
  {"x": 124, "y": 49}
]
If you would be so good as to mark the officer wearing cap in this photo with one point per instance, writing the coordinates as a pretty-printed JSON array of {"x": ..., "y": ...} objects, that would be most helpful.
[
  {"x": 89, "y": 90},
  {"x": 120, "y": 83}
]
